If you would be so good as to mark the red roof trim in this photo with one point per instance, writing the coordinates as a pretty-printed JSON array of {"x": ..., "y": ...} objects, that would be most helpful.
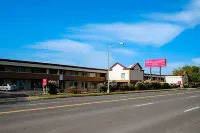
[
  {"x": 117, "y": 63},
  {"x": 136, "y": 65}
]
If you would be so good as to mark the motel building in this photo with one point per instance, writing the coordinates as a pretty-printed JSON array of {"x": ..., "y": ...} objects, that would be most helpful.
[{"x": 29, "y": 75}]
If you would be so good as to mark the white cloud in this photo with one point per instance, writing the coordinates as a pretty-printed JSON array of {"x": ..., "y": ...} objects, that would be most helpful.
[
  {"x": 196, "y": 60},
  {"x": 125, "y": 51},
  {"x": 143, "y": 33},
  {"x": 189, "y": 16},
  {"x": 63, "y": 45},
  {"x": 71, "y": 52}
]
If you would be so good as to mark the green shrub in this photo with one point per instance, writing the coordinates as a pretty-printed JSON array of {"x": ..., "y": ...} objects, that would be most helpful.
[
  {"x": 165, "y": 86},
  {"x": 102, "y": 87},
  {"x": 148, "y": 84},
  {"x": 52, "y": 87},
  {"x": 185, "y": 85},
  {"x": 140, "y": 86},
  {"x": 156, "y": 85},
  {"x": 75, "y": 90},
  {"x": 126, "y": 88},
  {"x": 192, "y": 85},
  {"x": 131, "y": 87},
  {"x": 113, "y": 86}
]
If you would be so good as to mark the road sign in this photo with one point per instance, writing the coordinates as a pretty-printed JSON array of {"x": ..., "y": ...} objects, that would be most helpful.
[{"x": 44, "y": 82}]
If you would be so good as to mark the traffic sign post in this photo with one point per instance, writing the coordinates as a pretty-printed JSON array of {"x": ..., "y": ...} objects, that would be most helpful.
[{"x": 44, "y": 85}]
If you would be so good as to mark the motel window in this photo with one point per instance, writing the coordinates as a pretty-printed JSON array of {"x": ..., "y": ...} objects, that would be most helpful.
[
  {"x": 92, "y": 74},
  {"x": 21, "y": 69},
  {"x": 83, "y": 84},
  {"x": 123, "y": 75},
  {"x": 71, "y": 84},
  {"x": 53, "y": 71},
  {"x": 98, "y": 74},
  {"x": 73, "y": 73},
  {"x": 102, "y": 75},
  {"x": 85, "y": 74},
  {"x": 2, "y": 68},
  {"x": 76, "y": 84}
]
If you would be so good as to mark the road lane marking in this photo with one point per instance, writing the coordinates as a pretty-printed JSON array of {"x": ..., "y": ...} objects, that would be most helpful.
[
  {"x": 90, "y": 103},
  {"x": 42, "y": 103},
  {"x": 123, "y": 96},
  {"x": 139, "y": 105},
  {"x": 193, "y": 96},
  {"x": 191, "y": 109}
]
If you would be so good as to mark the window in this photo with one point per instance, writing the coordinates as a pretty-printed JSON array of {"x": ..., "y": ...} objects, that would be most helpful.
[
  {"x": 83, "y": 84},
  {"x": 123, "y": 75},
  {"x": 92, "y": 74},
  {"x": 2, "y": 68},
  {"x": 71, "y": 84},
  {"x": 98, "y": 74},
  {"x": 38, "y": 70},
  {"x": 21, "y": 69},
  {"x": 73, "y": 73},
  {"x": 53, "y": 71},
  {"x": 76, "y": 84},
  {"x": 102, "y": 75},
  {"x": 85, "y": 74}
]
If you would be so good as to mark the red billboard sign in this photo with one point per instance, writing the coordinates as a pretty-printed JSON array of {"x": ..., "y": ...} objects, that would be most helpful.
[
  {"x": 44, "y": 82},
  {"x": 155, "y": 63}
]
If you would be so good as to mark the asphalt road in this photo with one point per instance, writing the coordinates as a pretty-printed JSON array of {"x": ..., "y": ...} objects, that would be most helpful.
[{"x": 158, "y": 112}]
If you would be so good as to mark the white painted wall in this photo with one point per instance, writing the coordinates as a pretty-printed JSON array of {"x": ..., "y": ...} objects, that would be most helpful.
[
  {"x": 116, "y": 72},
  {"x": 173, "y": 79},
  {"x": 137, "y": 74}
]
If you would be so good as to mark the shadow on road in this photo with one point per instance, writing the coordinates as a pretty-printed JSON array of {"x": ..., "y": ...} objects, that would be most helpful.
[{"x": 5, "y": 96}]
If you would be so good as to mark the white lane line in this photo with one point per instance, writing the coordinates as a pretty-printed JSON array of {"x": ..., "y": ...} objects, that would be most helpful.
[
  {"x": 191, "y": 109},
  {"x": 123, "y": 96},
  {"x": 42, "y": 103},
  {"x": 139, "y": 105},
  {"x": 193, "y": 96}
]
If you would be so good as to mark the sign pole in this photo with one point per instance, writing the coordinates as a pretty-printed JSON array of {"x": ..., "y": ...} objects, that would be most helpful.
[
  {"x": 160, "y": 72},
  {"x": 150, "y": 73}
]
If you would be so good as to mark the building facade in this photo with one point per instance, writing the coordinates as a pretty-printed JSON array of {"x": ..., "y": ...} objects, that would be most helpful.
[
  {"x": 183, "y": 79},
  {"x": 122, "y": 74},
  {"x": 29, "y": 75}
]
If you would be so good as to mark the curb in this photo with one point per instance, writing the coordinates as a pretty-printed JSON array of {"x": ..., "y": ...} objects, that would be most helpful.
[{"x": 21, "y": 99}]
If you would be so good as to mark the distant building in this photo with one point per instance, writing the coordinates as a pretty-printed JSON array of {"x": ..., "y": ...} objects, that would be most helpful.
[
  {"x": 122, "y": 74},
  {"x": 182, "y": 79}
]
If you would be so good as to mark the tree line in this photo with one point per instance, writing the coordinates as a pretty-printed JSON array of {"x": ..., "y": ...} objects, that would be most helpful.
[{"x": 193, "y": 72}]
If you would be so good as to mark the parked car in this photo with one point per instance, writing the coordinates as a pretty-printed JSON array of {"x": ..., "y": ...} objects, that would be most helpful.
[{"x": 8, "y": 87}]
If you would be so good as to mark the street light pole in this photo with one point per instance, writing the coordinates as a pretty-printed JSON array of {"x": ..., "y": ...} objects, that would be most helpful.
[{"x": 108, "y": 76}]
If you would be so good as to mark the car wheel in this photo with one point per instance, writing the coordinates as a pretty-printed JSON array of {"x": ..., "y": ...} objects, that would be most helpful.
[{"x": 6, "y": 89}]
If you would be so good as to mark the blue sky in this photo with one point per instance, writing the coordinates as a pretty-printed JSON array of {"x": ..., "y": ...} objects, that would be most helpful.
[{"x": 78, "y": 32}]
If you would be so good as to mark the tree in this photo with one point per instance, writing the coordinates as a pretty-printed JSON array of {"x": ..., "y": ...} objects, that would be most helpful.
[{"x": 193, "y": 72}]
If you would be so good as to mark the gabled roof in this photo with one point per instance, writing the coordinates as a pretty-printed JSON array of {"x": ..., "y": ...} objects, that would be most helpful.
[
  {"x": 185, "y": 72},
  {"x": 134, "y": 65},
  {"x": 117, "y": 63}
]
